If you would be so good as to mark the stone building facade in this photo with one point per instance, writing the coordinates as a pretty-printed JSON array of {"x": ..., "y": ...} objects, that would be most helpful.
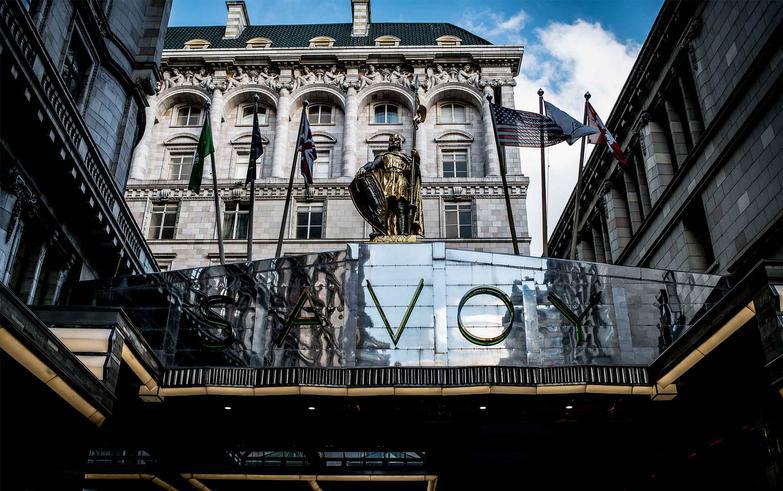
[
  {"x": 700, "y": 120},
  {"x": 359, "y": 80},
  {"x": 75, "y": 76}
]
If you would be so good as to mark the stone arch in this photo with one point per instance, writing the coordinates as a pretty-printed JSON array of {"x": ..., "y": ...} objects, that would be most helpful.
[
  {"x": 454, "y": 136},
  {"x": 453, "y": 91},
  {"x": 317, "y": 94},
  {"x": 180, "y": 96},
  {"x": 182, "y": 138},
  {"x": 245, "y": 93},
  {"x": 246, "y": 137},
  {"x": 392, "y": 92}
]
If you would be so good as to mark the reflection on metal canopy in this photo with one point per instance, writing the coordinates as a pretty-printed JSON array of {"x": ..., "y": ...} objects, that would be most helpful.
[{"x": 412, "y": 305}]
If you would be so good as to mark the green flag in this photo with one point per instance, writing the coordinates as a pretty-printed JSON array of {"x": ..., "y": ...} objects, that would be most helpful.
[{"x": 205, "y": 147}]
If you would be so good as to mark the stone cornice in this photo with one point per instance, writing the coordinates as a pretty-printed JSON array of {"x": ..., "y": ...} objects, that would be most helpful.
[{"x": 177, "y": 191}]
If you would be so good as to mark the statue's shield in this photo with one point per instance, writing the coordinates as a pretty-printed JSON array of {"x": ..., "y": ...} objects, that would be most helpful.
[{"x": 369, "y": 200}]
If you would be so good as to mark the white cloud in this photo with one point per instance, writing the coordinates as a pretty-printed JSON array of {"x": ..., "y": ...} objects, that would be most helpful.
[
  {"x": 566, "y": 60},
  {"x": 495, "y": 25}
]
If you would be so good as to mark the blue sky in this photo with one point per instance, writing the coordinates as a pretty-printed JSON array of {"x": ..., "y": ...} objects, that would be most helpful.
[
  {"x": 627, "y": 19},
  {"x": 570, "y": 47}
]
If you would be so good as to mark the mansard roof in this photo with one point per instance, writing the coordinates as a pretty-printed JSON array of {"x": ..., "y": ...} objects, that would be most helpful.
[{"x": 299, "y": 36}]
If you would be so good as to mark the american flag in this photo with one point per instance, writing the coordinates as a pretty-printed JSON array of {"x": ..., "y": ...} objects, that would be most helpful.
[{"x": 523, "y": 129}]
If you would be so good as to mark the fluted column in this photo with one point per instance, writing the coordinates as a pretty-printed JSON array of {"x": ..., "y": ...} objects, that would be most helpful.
[
  {"x": 141, "y": 155},
  {"x": 491, "y": 163},
  {"x": 281, "y": 134},
  {"x": 349, "y": 132}
]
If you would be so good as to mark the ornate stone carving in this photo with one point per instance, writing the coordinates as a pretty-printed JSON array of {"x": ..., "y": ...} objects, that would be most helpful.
[
  {"x": 469, "y": 76},
  {"x": 267, "y": 78},
  {"x": 369, "y": 77},
  {"x": 436, "y": 76},
  {"x": 239, "y": 78}
]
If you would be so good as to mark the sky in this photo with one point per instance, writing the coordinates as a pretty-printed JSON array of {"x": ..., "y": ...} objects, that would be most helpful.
[{"x": 570, "y": 47}]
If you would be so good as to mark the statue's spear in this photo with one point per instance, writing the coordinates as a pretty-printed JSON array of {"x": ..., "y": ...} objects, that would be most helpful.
[{"x": 420, "y": 114}]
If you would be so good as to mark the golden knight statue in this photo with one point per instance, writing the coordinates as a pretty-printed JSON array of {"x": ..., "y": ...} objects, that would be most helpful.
[{"x": 387, "y": 193}]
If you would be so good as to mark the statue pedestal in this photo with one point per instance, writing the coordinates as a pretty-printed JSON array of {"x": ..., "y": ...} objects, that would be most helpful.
[{"x": 393, "y": 239}]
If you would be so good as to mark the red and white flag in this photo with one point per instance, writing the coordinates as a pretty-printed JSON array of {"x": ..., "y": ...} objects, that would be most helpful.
[{"x": 603, "y": 135}]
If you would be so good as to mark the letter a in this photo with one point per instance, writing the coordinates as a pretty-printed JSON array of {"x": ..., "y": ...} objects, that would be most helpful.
[{"x": 294, "y": 318}]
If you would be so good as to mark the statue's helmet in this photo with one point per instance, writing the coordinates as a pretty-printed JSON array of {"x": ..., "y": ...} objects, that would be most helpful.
[{"x": 395, "y": 143}]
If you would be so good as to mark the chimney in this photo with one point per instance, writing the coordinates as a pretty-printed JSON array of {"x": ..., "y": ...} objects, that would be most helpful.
[
  {"x": 237, "y": 18},
  {"x": 361, "y": 18}
]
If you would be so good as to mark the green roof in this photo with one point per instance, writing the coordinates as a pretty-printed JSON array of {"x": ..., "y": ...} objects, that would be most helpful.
[{"x": 299, "y": 36}]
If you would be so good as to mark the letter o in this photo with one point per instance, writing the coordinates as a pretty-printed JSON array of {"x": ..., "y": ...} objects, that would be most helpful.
[{"x": 497, "y": 293}]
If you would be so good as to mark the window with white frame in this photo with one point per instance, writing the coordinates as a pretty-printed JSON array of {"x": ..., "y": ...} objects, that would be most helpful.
[
  {"x": 309, "y": 220},
  {"x": 319, "y": 114},
  {"x": 181, "y": 163},
  {"x": 459, "y": 220},
  {"x": 386, "y": 114},
  {"x": 235, "y": 219},
  {"x": 163, "y": 221},
  {"x": 241, "y": 161},
  {"x": 188, "y": 116},
  {"x": 246, "y": 115},
  {"x": 453, "y": 113},
  {"x": 455, "y": 162},
  {"x": 322, "y": 164}
]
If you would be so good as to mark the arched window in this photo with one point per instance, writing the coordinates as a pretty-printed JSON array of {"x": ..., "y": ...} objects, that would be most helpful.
[
  {"x": 197, "y": 44},
  {"x": 386, "y": 114},
  {"x": 322, "y": 42},
  {"x": 449, "y": 41},
  {"x": 246, "y": 115},
  {"x": 188, "y": 116},
  {"x": 452, "y": 112},
  {"x": 319, "y": 114},
  {"x": 387, "y": 41},
  {"x": 259, "y": 43}
]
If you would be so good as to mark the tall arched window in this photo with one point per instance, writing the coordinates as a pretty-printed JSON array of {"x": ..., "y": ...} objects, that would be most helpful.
[
  {"x": 386, "y": 114},
  {"x": 188, "y": 116},
  {"x": 319, "y": 114}
]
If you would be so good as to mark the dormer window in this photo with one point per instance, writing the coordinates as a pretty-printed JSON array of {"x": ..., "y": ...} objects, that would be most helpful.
[
  {"x": 259, "y": 43},
  {"x": 197, "y": 44},
  {"x": 322, "y": 42},
  {"x": 449, "y": 41},
  {"x": 387, "y": 41}
]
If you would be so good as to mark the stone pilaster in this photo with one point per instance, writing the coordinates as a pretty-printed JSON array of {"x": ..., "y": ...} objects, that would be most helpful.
[
  {"x": 677, "y": 131},
  {"x": 216, "y": 119},
  {"x": 141, "y": 155},
  {"x": 281, "y": 134},
  {"x": 513, "y": 163},
  {"x": 491, "y": 163},
  {"x": 618, "y": 223},
  {"x": 350, "y": 132},
  {"x": 692, "y": 112},
  {"x": 657, "y": 159}
]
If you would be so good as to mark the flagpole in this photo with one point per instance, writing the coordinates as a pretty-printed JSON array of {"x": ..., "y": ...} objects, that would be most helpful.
[
  {"x": 544, "y": 251},
  {"x": 218, "y": 221},
  {"x": 502, "y": 161},
  {"x": 579, "y": 185},
  {"x": 291, "y": 181},
  {"x": 252, "y": 194}
]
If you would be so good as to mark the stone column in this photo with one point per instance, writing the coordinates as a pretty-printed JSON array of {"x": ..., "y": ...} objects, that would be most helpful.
[
  {"x": 618, "y": 225},
  {"x": 657, "y": 159},
  {"x": 141, "y": 155},
  {"x": 491, "y": 163},
  {"x": 216, "y": 119},
  {"x": 584, "y": 244},
  {"x": 428, "y": 163},
  {"x": 677, "y": 131},
  {"x": 513, "y": 163},
  {"x": 281, "y": 134},
  {"x": 349, "y": 132},
  {"x": 692, "y": 111}
]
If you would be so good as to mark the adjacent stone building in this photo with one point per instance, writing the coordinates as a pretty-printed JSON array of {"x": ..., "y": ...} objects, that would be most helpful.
[
  {"x": 74, "y": 78},
  {"x": 359, "y": 80}
]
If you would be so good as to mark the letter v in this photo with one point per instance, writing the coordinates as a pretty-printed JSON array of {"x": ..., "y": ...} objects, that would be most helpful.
[{"x": 395, "y": 337}]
